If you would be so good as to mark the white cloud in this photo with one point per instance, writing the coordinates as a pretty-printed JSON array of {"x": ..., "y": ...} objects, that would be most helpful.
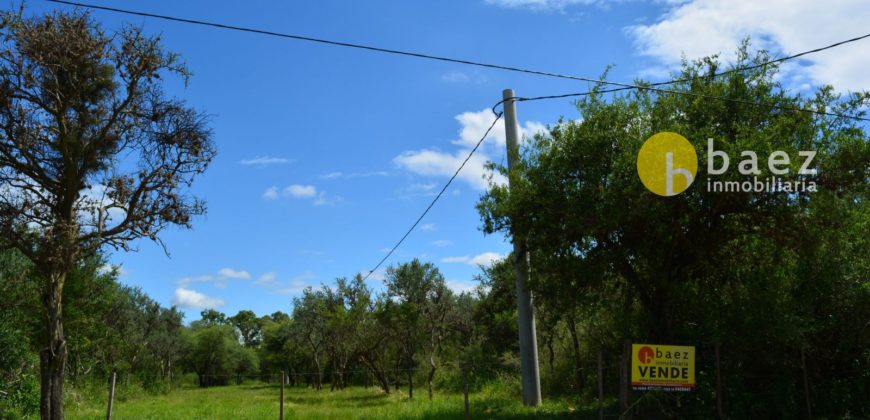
[
  {"x": 266, "y": 278},
  {"x": 229, "y": 273},
  {"x": 265, "y": 161},
  {"x": 474, "y": 124},
  {"x": 460, "y": 286},
  {"x": 303, "y": 192},
  {"x": 484, "y": 259},
  {"x": 296, "y": 284},
  {"x": 271, "y": 282},
  {"x": 332, "y": 175},
  {"x": 442, "y": 243},
  {"x": 108, "y": 268},
  {"x": 463, "y": 77},
  {"x": 427, "y": 226},
  {"x": 300, "y": 191},
  {"x": 95, "y": 202},
  {"x": 368, "y": 174},
  {"x": 455, "y": 77},
  {"x": 698, "y": 28},
  {"x": 377, "y": 276},
  {"x": 326, "y": 200},
  {"x": 339, "y": 174},
  {"x": 433, "y": 162},
  {"x": 429, "y": 186},
  {"x": 271, "y": 193},
  {"x": 436, "y": 163},
  {"x": 186, "y": 298},
  {"x": 184, "y": 281},
  {"x": 220, "y": 280},
  {"x": 428, "y": 189}
]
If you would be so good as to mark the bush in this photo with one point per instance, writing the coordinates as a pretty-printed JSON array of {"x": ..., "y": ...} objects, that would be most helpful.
[{"x": 19, "y": 385}]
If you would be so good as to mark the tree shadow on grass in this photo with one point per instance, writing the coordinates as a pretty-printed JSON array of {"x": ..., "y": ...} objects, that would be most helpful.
[
  {"x": 259, "y": 387},
  {"x": 338, "y": 400},
  {"x": 366, "y": 397},
  {"x": 486, "y": 414}
]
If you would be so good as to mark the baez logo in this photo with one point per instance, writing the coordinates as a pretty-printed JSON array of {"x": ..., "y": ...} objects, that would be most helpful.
[
  {"x": 645, "y": 355},
  {"x": 667, "y": 165}
]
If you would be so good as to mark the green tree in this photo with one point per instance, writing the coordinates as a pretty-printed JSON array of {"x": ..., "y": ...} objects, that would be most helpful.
[
  {"x": 279, "y": 349},
  {"x": 211, "y": 317},
  {"x": 92, "y": 154},
  {"x": 215, "y": 354},
  {"x": 422, "y": 302},
  {"x": 310, "y": 314},
  {"x": 706, "y": 267},
  {"x": 375, "y": 337},
  {"x": 166, "y": 344},
  {"x": 248, "y": 326}
]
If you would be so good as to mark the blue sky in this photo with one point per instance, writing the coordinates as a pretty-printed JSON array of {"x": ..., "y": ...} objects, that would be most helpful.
[{"x": 326, "y": 155}]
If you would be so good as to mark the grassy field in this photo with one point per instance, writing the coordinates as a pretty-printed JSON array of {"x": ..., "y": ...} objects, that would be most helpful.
[{"x": 260, "y": 401}]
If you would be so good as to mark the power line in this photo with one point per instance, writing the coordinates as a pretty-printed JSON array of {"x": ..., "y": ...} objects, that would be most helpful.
[
  {"x": 342, "y": 43},
  {"x": 440, "y": 193},
  {"x": 567, "y": 95},
  {"x": 622, "y": 86},
  {"x": 436, "y": 57},
  {"x": 648, "y": 86},
  {"x": 678, "y": 92},
  {"x": 766, "y": 63}
]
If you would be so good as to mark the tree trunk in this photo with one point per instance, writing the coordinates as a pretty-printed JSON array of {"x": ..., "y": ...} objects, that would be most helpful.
[
  {"x": 334, "y": 377},
  {"x": 378, "y": 373},
  {"x": 398, "y": 377},
  {"x": 410, "y": 384},
  {"x": 318, "y": 377},
  {"x": 431, "y": 375},
  {"x": 575, "y": 342},
  {"x": 53, "y": 358},
  {"x": 343, "y": 373},
  {"x": 551, "y": 354}
]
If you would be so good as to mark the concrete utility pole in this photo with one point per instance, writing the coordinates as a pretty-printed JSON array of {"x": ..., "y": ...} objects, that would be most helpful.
[{"x": 531, "y": 378}]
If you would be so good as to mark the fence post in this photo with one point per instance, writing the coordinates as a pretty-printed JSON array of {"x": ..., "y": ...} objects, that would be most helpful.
[
  {"x": 719, "y": 412},
  {"x": 465, "y": 391},
  {"x": 806, "y": 385},
  {"x": 111, "y": 396},
  {"x": 600, "y": 385},
  {"x": 624, "y": 375},
  {"x": 281, "y": 417},
  {"x": 410, "y": 384}
]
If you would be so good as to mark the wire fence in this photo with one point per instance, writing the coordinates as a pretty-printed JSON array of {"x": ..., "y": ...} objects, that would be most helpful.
[{"x": 601, "y": 378}]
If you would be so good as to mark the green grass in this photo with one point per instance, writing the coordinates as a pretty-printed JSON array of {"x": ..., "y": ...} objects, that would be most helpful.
[{"x": 260, "y": 401}]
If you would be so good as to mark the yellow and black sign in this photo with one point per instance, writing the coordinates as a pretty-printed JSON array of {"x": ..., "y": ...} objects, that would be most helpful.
[{"x": 662, "y": 368}]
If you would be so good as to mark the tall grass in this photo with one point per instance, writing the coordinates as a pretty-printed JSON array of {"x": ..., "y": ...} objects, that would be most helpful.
[{"x": 497, "y": 399}]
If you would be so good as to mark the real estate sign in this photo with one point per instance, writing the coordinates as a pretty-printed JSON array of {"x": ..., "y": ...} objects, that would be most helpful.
[{"x": 662, "y": 367}]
